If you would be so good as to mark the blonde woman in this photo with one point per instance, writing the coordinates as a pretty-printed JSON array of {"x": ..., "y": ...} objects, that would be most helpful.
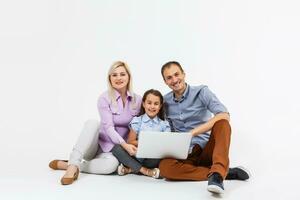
[{"x": 92, "y": 152}]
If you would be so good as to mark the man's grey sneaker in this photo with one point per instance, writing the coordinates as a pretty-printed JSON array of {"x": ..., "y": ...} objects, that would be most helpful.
[
  {"x": 238, "y": 173},
  {"x": 215, "y": 183}
]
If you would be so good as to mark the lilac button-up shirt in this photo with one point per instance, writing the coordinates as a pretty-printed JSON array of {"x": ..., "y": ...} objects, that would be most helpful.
[{"x": 115, "y": 118}]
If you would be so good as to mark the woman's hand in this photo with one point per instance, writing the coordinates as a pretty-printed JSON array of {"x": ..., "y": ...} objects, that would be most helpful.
[{"x": 131, "y": 149}]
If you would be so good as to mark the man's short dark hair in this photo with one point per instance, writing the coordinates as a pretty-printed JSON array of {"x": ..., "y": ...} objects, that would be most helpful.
[{"x": 168, "y": 64}]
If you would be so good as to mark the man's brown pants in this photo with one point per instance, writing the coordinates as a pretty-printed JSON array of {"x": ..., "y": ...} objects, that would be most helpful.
[{"x": 200, "y": 163}]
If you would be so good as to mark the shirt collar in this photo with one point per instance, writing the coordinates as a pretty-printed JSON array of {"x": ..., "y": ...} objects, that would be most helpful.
[
  {"x": 185, "y": 93},
  {"x": 146, "y": 118},
  {"x": 118, "y": 95}
]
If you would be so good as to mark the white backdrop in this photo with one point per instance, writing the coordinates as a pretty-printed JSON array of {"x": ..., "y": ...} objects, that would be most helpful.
[{"x": 54, "y": 58}]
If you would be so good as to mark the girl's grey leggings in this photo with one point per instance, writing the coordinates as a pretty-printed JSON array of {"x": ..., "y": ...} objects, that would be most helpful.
[{"x": 132, "y": 162}]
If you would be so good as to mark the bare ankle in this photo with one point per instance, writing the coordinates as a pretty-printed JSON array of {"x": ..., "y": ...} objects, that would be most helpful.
[
  {"x": 145, "y": 171},
  {"x": 127, "y": 170},
  {"x": 71, "y": 170}
]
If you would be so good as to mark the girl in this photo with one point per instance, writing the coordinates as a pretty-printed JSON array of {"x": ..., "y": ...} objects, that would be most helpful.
[{"x": 151, "y": 118}]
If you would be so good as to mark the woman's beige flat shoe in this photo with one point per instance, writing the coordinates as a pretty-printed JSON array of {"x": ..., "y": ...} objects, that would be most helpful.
[
  {"x": 53, "y": 164},
  {"x": 70, "y": 180}
]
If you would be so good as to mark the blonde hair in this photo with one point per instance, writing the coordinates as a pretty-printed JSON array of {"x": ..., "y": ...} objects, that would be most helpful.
[{"x": 111, "y": 90}]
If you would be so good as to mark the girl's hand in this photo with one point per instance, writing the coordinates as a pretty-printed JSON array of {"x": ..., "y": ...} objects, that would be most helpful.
[{"x": 131, "y": 149}]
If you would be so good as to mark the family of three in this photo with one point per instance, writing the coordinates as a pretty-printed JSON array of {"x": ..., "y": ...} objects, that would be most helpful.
[{"x": 110, "y": 146}]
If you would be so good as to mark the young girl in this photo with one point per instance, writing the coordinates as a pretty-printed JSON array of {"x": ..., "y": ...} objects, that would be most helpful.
[{"x": 151, "y": 118}]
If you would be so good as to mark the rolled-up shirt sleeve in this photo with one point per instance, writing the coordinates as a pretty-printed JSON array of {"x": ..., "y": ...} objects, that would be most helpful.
[
  {"x": 211, "y": 101},
  {"x": 106, "y": 116},
  {"x": 135, "y": 124}
]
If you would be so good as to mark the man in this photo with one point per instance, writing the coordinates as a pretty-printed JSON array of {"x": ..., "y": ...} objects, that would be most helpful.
[{"x": 189, "y": 109}]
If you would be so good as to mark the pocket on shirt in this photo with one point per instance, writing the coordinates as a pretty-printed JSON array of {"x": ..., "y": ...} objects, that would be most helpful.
[
  {"x": 115, "y": 113},
  {"x": 114, "y": 110}
]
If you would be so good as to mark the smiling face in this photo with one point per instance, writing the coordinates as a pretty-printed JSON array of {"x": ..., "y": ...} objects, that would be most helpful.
[
  {"x": 175, "y": 79},
  {"x": 119, "y": 79},
  {"x": 152, "y": 105}
]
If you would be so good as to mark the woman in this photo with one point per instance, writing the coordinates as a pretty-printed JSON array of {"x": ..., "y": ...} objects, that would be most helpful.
[{"x": 92, "y": 152}]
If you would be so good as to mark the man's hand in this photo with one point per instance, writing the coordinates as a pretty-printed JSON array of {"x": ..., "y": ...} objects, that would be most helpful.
[
  {"x": 209, "y": 124},
  {"x": 192, "y": 133},
  {"x": 131, "y": 149}
]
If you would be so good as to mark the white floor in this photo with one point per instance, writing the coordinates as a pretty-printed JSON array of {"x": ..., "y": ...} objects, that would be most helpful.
[
  {"x": 43, "y": 183},
  {"x": 26, "y": 175}
]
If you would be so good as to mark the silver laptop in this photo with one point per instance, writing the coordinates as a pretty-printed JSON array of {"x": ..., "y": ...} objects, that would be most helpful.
[{"x": 152, "y": 144}]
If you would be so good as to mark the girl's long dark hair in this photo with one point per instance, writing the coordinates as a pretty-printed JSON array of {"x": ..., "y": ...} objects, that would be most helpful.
[{"x": 161, "y": 113}]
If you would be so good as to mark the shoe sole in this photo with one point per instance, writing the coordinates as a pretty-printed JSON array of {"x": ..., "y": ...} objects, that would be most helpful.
[
  {"x": 215, "y": 189},
  {"x": 246, "y": 170}
]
